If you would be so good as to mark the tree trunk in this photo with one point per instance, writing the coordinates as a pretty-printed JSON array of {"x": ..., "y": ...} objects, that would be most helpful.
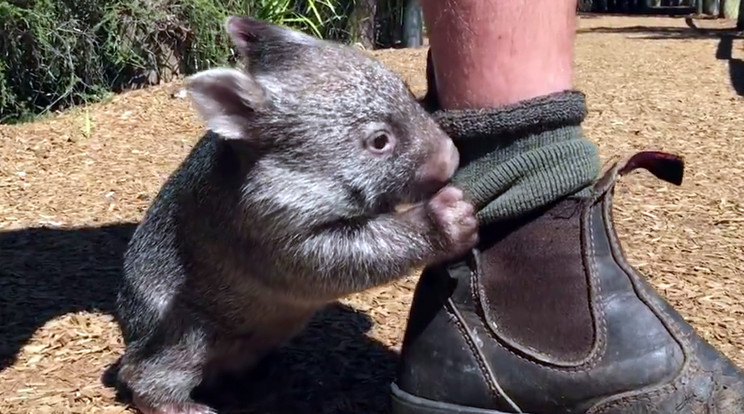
[{"x": 362, "y": 23}]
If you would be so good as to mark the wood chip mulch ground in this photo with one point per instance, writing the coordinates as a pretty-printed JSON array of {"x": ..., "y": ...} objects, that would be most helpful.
[{"x": 69, "y": 198}]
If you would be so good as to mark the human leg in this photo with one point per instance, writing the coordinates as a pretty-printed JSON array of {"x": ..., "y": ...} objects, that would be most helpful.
[
  {"x": 488, "y": 54},
  {"x": 545, "y": 315}
]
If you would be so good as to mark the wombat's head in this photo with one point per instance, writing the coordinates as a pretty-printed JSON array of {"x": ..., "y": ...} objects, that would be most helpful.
[{"x": 322, "y": 117}]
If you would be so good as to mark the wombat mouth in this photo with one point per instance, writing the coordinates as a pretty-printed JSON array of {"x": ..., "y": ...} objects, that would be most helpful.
[
  {"x": 423, "y": 192},
  {"x": 426, "y": 190}
]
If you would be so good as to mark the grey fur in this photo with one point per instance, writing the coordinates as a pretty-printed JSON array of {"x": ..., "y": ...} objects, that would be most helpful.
[{"x": 280, "y": 209}]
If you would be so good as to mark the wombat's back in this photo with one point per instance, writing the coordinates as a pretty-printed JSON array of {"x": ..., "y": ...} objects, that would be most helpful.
[{"x": 190, "y": 209}]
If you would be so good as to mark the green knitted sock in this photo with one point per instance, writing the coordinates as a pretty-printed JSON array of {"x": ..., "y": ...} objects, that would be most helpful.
[{"x": 521, "y": 157}]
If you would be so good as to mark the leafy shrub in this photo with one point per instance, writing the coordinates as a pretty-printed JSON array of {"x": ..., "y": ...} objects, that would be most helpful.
[{"x": 59, "y": 53}]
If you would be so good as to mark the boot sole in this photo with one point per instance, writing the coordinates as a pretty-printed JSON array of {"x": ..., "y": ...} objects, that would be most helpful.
[{"x": 405, "y": 403}]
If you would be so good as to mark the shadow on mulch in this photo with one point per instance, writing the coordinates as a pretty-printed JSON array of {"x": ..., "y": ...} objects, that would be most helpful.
[
  {"x": 332, "y": 367},
  {"x": 46, "y": 272},
  {"x": 736, "y": 66},
  {"x": 692, "y": 31}
]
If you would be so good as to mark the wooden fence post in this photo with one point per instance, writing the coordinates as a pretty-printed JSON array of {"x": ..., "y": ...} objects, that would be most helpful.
[
  {"x": 412, "y": 24},
  {"x": 729, "y": 9}
]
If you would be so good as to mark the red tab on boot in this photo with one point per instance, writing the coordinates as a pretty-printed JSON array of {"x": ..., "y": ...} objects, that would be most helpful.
[{"x": 665, "y": 166}]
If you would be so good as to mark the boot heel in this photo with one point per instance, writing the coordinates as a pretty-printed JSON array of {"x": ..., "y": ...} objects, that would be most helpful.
[{"x": 405, "y": 403}]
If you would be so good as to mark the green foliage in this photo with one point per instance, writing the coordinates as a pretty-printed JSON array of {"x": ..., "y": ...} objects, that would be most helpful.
[
  {"x": 59, "y": 53},
  {"x": 310, "y": 16},
  {"x": 37, "y": 43}
]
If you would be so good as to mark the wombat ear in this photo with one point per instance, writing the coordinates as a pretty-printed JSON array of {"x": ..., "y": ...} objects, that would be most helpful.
[
  {"x": 263, "y": 42},
  {"x": 226, "y": 100}
]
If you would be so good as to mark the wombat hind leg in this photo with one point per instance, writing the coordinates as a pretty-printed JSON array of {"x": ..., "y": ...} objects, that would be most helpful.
[
  {"x": 239, "y": 357},
  {"x": 162, "y": 380},
  {"x": 179, "y": 408},
  {"x": 234, "y": 358}
]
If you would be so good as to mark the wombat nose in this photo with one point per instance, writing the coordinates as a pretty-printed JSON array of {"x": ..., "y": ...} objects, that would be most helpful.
[{"x": 442, "y": 165}]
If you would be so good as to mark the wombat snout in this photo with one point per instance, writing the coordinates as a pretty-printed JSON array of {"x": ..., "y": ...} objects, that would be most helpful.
[{"x": 440, "y": 167}]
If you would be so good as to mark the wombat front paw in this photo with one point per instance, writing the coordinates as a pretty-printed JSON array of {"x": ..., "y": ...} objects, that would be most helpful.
[{"x": 455, "y": 219}]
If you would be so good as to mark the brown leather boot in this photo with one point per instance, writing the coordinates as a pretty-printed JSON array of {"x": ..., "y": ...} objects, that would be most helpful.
[{"x": 546, "y": 315}]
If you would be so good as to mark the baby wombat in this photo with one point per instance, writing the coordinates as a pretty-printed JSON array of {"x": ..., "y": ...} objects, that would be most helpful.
[{"x": 286, "y": 204}]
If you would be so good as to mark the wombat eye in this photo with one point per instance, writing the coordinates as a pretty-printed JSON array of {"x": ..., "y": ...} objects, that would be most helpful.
[{"x": 380, "y": 143}]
